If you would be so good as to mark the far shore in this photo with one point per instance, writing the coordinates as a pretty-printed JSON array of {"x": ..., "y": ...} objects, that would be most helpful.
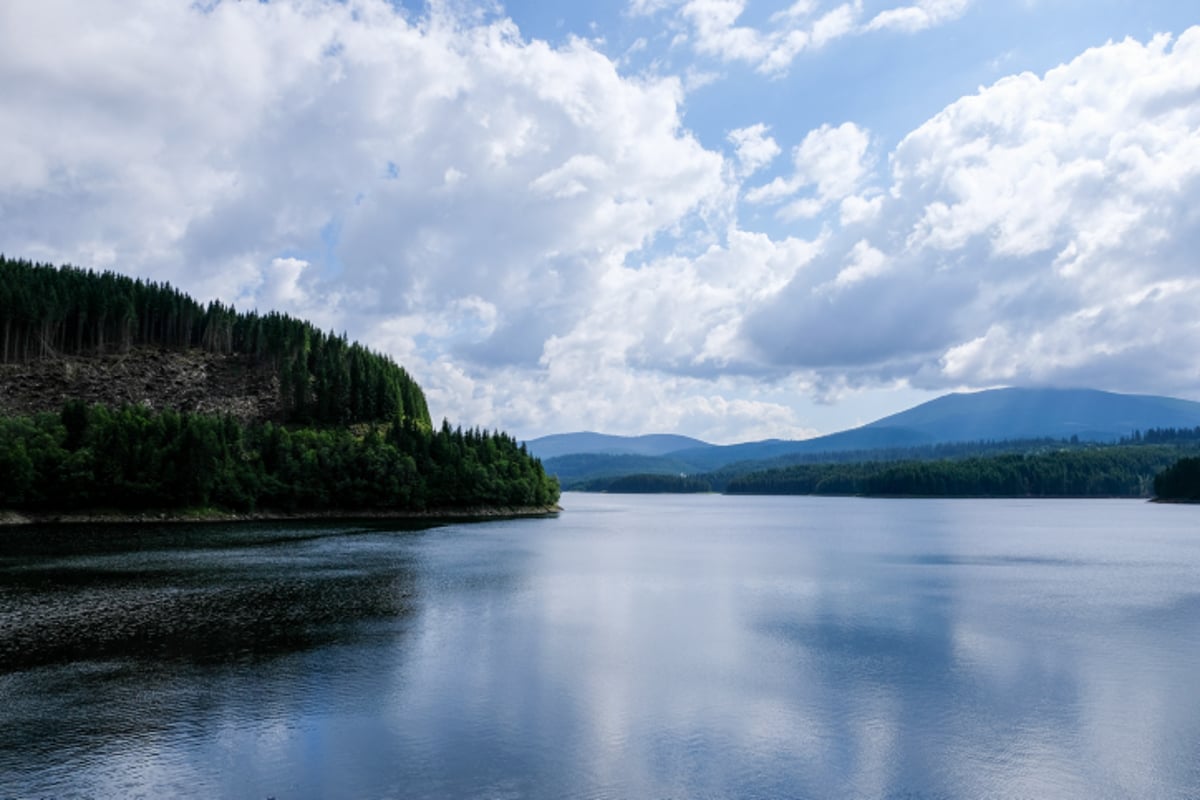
[{"x": 10, "y": 518}]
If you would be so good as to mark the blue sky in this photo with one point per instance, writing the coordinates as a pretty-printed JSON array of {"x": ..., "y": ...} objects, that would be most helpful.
[{"x": 732, "y": 219}]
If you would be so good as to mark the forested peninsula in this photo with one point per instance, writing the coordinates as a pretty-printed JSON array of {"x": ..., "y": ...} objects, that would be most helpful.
[{"x": 127, "y": 396}]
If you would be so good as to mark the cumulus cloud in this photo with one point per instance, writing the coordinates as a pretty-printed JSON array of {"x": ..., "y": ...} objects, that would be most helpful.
[
  {"x": 715, "y": 31},
  {"x": 713, "y": 27},
  {"x": 834, "y": 162},
  {"x": 919, "y": 16},
  {"x": 861, "y": 208},
  {"x": 755, "y": 149},
  {"x": 542, "y": 241},
  {"x": 341, "y": 161},
  {"x": 1042, "y": 230},
  {"x": 863, "y": 262},
  {"x": 281, "y": 283},
  {"x": 614, "y": 398}
]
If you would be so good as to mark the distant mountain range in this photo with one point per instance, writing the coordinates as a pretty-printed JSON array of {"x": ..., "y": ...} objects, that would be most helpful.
[
  {"x": 995, "y": 415},
  {"x": 654, "y": 444}
]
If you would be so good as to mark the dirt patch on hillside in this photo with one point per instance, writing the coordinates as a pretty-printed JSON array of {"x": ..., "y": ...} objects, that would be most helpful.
[{"x": 183, "y": 380}]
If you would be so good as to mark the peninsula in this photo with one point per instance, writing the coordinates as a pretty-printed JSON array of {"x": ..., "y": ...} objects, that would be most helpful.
[{"x": 127, "y": 399}]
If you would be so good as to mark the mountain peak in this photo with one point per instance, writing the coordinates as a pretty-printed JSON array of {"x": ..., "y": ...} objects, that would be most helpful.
[
  {"x": 1039, "y": 412},
  {"x": 1017, "y": 413}
]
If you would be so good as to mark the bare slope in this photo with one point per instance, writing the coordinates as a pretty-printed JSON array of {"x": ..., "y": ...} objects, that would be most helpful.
[{"x": 180, "y": 379}]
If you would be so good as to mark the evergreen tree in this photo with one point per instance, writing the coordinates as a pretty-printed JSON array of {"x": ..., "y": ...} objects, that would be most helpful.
[{"x": 50, "y": 312}]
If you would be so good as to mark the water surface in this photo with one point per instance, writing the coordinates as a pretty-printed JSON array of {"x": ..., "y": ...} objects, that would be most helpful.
[{"x": 662, "y": 646}]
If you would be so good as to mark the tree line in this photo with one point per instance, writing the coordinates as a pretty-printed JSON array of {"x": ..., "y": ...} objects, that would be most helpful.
[
  {"x": 133, "y": 459},
  {"x": 1180, "y": 481},
  {"x": 595, "y": 471},
  {"x": 647, "y": 483},
  {"x": 1114, "y": 471},
  {"x": 1163, "y": 436},
  {"x": 49, "y": 311}
]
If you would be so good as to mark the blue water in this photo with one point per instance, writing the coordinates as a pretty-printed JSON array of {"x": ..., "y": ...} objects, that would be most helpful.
[{"x": 634, "y": 646}]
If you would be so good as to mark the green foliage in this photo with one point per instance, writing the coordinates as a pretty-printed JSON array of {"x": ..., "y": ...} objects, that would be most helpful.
[
  {"x": 359, "y": 437},
  {"x": 651, "y": 483},
  {"x": 1115, "y": 471},
  {"x": 586, "y": 470},
  {"x": 1180, "y": 481},
  {"x": 583, "y": 470},
  {"x": 1164, "y": 436},
  {"x": 134, "y": 459},
  {"x": 46, "y": 311}
]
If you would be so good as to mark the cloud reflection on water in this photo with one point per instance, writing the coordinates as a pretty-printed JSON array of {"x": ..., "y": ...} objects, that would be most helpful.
[{"x": 685, "y": 647}]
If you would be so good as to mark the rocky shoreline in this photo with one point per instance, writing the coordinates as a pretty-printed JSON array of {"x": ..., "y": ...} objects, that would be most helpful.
[{"x": 10, "y": 518}]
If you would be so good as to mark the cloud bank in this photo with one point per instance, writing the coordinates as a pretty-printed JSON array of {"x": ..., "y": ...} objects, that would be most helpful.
[
  {"x": 541, "y": 239},
  {"x": 1043, "y": 230},
  {"x": 713, "y": 27}
]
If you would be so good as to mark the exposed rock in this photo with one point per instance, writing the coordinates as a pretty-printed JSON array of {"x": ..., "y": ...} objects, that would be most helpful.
[{"x": 184, "y": 380}]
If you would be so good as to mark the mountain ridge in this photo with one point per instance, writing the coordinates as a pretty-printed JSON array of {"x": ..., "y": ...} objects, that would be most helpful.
[
  {"x": 650, "y": 444},
  {"x": 1015, "y": 413}
]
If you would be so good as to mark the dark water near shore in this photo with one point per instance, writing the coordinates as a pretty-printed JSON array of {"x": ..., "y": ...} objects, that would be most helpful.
[{"x": 654, "y": 647}]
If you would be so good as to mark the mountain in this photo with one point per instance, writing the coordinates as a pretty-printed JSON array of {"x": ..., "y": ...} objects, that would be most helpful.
[
  {"x": 563, "y": 444},
  {"x": 992, "y": 415},
  {"x": 1089, "y": 414}
]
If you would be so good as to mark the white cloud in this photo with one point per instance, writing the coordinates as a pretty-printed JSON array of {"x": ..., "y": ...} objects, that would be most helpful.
[
  {"x": 797, "y": 11},
  {"x": 860, "y": 208},
  {"x": 716, "y": 32},
  {"x": 1089, "y": 164},
  {"x": 804, "y": 208},
  {"x": 755, "y": 149},
  {"x": 281, "y": 283},
  {"x": 434, "y": 185},
  {"x": 836, "y": 23},
  {"x": 714, "y": 29},
  {"x": 1043, "y": 230},
  {"x": 675, "y": 316},
  {"x": 864, "y": 261},
  {"x": 574, "y": 177},
  {"x": 919, "y": 16},
  {"x": 833, "y": 161},
  {"x": 539, "y": 238},
  {"x": 648, "y": 7}
]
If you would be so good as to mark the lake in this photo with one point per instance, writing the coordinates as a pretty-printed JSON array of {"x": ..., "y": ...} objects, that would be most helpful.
[{"x": 634, "y": 646}]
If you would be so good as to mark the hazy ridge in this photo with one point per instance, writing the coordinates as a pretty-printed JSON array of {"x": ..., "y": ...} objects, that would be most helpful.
[{"x": 989, "y": 419}]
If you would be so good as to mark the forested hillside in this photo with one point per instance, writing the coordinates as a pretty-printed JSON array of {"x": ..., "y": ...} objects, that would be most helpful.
[
  {"x": 1111, "y": 471},
  {"x": 132, "y": 459},
  {"x": 354, "y": 433},
  {"x": 51, "y": 312},
  {"x": 592, "y": 472}
]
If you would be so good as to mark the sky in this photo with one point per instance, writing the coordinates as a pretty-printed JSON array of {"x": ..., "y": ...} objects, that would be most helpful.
[{"x": 730, "y": 219}]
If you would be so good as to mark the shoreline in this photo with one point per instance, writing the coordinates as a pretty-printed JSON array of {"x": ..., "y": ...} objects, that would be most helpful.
[{"x": 20, "y": 518}]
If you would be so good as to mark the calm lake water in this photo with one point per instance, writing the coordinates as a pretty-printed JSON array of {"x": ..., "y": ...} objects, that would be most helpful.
[{"x": 641, "y": 647}]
